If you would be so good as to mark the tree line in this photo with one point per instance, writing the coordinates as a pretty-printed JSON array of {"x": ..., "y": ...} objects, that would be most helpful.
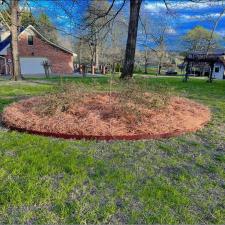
[{"x": 100, "y": 31}]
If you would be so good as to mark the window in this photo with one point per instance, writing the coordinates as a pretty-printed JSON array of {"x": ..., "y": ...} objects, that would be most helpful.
[
  {"x": 217, "y": 69},
  {"x": 30, "y": 40}
]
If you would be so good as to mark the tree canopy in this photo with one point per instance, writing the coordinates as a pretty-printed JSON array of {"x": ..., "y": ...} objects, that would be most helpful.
[
  {"x": 45, "y": 25},
  {"x": 198, "y": 39}
]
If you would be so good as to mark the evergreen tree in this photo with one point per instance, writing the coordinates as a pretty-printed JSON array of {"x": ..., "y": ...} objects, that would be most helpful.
[
  {"x": 46, "y": 27},
  {"x": 27, "y": 19}
]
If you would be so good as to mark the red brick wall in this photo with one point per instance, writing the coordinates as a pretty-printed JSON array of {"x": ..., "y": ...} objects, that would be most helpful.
[{"x": 62, "y": 62}]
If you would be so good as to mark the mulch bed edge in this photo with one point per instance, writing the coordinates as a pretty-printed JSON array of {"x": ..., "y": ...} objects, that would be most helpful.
[{"x": 103, "y": 137}]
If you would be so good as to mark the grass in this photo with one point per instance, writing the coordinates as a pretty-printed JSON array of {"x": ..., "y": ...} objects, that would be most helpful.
[{"x": 176, "y": 180}]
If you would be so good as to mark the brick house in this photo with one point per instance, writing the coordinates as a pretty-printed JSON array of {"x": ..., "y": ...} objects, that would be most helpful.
[{"x": 34, "y": 48}]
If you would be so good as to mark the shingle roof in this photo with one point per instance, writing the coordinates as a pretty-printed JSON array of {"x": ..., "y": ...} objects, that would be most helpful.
[
  {"x": 211, "y": 52},
  {"x": 49, "y": 42}
]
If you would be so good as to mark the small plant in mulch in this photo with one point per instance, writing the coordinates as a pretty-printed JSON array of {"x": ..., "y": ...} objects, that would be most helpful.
[
  {"x": 130, "y": 96},
  {"x": 47, "y": 67},
  {"x": 61, "y": 100},
  {"x": 135, "y": 96}
]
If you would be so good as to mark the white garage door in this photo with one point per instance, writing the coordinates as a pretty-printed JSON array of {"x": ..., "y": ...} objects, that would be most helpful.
[{"x": 32, "y": 65}]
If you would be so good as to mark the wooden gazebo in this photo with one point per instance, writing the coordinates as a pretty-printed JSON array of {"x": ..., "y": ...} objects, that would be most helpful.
[{"x": 210, "y": 59}]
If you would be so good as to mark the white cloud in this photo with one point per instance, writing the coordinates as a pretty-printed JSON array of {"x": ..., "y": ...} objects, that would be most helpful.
[
  {"x": 158, "y": 6},
  {"x": 61, "y": 18},
  {"x": 119, "y": 2},
  {"x": 193, "y": 18},
  {"x": 200, "y": 17},
  {"x": 154, "y": 6},
  {"x": 221, "y": 32},
  {"x": 171, "y": 31}
]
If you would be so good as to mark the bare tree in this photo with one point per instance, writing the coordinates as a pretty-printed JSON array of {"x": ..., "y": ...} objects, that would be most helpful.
[
  {"x": 145, "y": 41},
  {"x": 159, "y": 39},
  {"x": 154, "y": 37},
  {"x": 112, "y": 48},
  {"x": 109, "y": 16},
  {"x": 14, "y": 42},
  {"x": 95, "y": 17},
  {"x": 13, "y": 6}
]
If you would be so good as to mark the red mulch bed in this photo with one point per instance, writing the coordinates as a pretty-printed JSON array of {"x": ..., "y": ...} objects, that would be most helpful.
[{"x": 97, "y": 117}]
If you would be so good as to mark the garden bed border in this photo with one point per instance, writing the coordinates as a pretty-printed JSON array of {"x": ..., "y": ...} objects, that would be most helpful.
[{"x": 104, "y": 137}]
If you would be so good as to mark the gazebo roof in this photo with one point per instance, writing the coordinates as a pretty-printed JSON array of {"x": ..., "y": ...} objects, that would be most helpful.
[{"x": 210, "y": 57}]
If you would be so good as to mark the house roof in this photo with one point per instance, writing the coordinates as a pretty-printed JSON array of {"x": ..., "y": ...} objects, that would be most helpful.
[
  {"x": 45, "y": 39},
  {"x": 211, "y": 57},
  {"x": 7, "y": 41},
  {"x": 215, "y": 52}
]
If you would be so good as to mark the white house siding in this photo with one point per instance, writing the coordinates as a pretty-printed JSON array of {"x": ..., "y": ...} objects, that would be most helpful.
[{"x": 218, "y": 71}]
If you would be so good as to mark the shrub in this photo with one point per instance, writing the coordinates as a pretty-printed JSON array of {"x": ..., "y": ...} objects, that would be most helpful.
[{"x": 126, "y": 96}]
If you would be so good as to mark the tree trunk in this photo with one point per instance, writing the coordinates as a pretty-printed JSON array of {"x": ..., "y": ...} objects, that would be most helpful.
[
  {"x": 79, "y": 56},
  {"x": 92, "y": 62},
  {"x": 160, "y": 64},
  {"x": 113, "y": 68},
  {"x": 96, "y": 56},
  {"x": 14, "y": 42},
  {"x": 146, "y": 62},
  {"x": 146, "y": 68},
  {"x": 159, "y": 68},
  {"x": 211, "y": 73},
  {"x": 96, "y": 51},
  {"x": 187, "y": 72},
  {"x": 128, "y": 66}
]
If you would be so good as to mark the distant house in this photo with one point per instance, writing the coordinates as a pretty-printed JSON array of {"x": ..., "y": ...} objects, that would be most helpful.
[
  {"x": 213, "y": 63},
  {"x": 34, "y": 48},
  {"x": 219, "y": 70},
  {"x": 4, "y": 34}
]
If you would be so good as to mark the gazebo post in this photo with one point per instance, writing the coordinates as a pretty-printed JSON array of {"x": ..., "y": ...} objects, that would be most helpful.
[
  {"x": 211, "y": 72},
  {"x": 187, "y": 71}
]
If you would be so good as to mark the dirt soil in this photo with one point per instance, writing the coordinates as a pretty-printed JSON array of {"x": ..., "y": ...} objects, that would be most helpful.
[{"x": 97, "y": 116}]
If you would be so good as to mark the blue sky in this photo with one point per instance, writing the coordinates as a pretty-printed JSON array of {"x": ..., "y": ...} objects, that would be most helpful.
[
  {"x": 187, "y": 14},
  {"x": 184, "y": 15}
]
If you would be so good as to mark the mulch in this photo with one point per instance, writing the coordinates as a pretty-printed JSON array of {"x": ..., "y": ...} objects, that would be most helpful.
[{"x": 98, "y": 117}]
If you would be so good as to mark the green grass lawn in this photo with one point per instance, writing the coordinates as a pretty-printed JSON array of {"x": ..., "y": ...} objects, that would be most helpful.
[{"x": 176, "y": 180}]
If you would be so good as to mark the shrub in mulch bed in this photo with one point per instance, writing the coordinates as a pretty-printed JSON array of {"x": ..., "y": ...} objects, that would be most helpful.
[{"x": 106, "y": 116}]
